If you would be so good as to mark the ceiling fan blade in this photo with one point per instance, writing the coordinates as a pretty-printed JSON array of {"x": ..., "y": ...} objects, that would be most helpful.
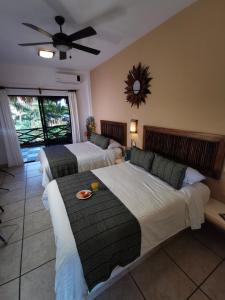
[
  {"x": 86, "y": 49},
  {"x": 83, "y": 33},
  {"x": 62, "y": 55},
  {"x": 35, "y": 44},
  {"x": 38, "y": 29}
]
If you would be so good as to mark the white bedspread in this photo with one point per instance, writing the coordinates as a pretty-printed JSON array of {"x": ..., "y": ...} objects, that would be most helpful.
[
  {"x": 161, "y": 211},
  {"x": 89, "y": 157}
]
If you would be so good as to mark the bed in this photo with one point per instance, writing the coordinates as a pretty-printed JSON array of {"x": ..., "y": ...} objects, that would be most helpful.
[
  {"x": 160, "y": 210},
  {"x": 88, "y": 155}
]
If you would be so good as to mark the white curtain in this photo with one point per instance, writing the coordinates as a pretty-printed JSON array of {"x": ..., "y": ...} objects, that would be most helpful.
[
  {"x": 74, "y": 117},
  {"x": 10, "y": 138}
]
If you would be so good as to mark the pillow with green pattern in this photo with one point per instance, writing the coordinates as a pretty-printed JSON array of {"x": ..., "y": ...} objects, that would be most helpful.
[
  {"x": 93, "y": 137},
  {"x": 141, "y": 158},
  {"x": 169, "y": 171},
  {"x": 102, "y": 141}
]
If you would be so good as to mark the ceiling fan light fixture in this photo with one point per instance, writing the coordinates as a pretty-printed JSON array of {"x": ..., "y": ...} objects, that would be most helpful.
[{"x": 46, "y": 53}]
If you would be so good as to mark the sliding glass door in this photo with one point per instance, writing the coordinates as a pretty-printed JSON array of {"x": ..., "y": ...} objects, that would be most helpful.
[
  {"x": 55, "y": 116},
  {"x": 42, "y": 120}
]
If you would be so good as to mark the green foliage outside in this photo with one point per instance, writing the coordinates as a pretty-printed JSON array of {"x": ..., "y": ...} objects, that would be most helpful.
[
  {"x": 25, "y": 112},
  {"x": 58, "y": 114}
]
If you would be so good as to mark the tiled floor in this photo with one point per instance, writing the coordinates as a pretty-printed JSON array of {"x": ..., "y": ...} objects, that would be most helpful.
[
  {"x": 190, "y": 266},
  {"x": 30, "y": 153}
]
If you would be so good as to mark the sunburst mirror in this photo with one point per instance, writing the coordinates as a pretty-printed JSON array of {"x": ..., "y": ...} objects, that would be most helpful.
[{"x": 138, "y": 84}]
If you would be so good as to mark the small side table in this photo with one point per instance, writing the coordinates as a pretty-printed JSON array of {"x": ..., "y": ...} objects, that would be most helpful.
[
  {"x": 127, "y": 152},
  {"x": 213, "y": 210}
]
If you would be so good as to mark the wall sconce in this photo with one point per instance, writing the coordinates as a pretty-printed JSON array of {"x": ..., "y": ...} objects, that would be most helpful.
[
  {"x": 133, "y": 126},
  {"x": 133, "y": 131}
]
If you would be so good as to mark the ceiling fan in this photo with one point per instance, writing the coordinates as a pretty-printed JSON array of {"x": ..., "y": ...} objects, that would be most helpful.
[{"x": 62, "y": 41}]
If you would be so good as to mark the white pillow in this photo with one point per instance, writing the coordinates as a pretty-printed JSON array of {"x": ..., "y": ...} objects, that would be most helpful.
[
  {"x": 192, "y": 176},
  {"x": 114, "y": 144}
]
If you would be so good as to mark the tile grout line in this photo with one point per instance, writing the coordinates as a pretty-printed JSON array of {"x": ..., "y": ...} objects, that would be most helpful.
[
  {"x": 9, "y": 220},
  {"x": 197, "y": 289},
  {"x": 3, "y": 205},
  {"x": 33, "y": 269},
  {"x": 198, "y": 286},
  {"x": 137, "y": 286},
  {"x": 35, "y": 211},
  {"x": 22, "y": 238},
  {"x": 206, "y": 246},
  {"x": 216, "y": 267},
  {"x": 9, "y": 281},
  {"x": 21, "y": 257},
  {"x": 207, "y": 296},
  {"x": 37, "y": 267},
  {"x": 216, "y": 254},
  {"x": 27, "y": 237},
  {"x": 19, "y": 240},
  {"x": 14, "y": 242},
  {"x": 168, "y": 255}
]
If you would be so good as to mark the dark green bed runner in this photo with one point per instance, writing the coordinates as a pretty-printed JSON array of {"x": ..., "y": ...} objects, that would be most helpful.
[
  {"x": 61, "y": 161},
  {"x": 106, "y": 232}
]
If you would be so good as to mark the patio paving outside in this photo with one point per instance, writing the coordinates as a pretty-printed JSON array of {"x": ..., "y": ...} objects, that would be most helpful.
[{"x": 30, "y": 154}]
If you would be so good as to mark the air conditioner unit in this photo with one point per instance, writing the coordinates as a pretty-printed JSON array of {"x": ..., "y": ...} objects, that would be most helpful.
[{"x": 67, "y": 78}]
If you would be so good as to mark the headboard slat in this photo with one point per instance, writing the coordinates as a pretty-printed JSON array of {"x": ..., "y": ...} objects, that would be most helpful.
[
  {"x": 115, "y": 130},
  {"x": 202, "y": 151}
]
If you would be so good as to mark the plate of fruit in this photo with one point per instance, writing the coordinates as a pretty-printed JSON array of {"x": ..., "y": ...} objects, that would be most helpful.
[{"x": 84, "y": 194}]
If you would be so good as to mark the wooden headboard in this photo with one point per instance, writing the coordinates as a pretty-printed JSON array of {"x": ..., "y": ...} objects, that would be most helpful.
[
  {"x": 115, "y": 130},
  {"x": 202, "y": 151}
]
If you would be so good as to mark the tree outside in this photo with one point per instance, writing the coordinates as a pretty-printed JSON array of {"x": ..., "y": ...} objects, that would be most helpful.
[{"x": 25, "y": 112}]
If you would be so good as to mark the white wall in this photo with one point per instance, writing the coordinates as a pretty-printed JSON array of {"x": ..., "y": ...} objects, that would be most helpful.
[
  {"x": 84, "y": 108},
  {"x": 42, "y": 77}
]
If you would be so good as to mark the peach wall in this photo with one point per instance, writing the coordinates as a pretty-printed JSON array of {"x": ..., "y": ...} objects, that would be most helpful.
[{"x": 186, "y": 56}]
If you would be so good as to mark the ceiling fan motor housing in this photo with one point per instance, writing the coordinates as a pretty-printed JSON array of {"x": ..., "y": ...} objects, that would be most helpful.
[
  {"x": 59, "y": 20},
  {"x": 61, "y": 39}
]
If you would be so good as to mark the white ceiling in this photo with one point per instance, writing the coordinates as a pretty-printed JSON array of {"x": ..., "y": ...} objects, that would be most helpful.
[{"x": 118, "y": 24}]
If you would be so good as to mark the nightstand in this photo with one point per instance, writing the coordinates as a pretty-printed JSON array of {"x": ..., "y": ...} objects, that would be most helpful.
[
  {"x": 212, "y": 210},
  {"x": 127, "y": 152}
]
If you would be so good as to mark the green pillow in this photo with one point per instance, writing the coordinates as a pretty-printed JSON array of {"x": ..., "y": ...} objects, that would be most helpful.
[
  {"x": 169, "y": 171},
  {"x": 141, "y": 158},
  {"x": 102, "y": 141},
  {"x": 93, "y": 137}
]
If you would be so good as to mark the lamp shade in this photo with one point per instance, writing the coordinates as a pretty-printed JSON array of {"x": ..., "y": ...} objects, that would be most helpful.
[{"x": 133, "y": 126}]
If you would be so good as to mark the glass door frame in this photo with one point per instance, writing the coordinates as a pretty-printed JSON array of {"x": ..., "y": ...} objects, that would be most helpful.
[{"x": 40, "y": 99}]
